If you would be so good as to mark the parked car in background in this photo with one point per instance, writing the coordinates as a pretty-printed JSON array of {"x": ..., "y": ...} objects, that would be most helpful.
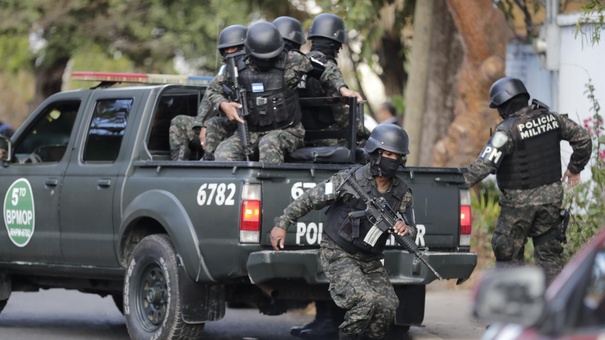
[{"x": 516, "y": 303}]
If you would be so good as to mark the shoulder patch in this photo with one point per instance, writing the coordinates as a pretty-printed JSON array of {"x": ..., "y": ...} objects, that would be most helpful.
[{"x": 499, "y": 139}]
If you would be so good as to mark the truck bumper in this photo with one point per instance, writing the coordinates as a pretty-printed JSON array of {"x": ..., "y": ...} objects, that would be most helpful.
[{"x": 403, "y": 267}]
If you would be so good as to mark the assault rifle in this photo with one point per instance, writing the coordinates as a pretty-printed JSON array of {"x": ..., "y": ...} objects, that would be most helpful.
[
  {"x": 383, "y": 217},
  {"x": 238, "y": 95}
]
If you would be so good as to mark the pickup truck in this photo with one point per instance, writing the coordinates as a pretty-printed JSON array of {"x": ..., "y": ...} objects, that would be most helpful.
[{"x": 92, "y": 202}]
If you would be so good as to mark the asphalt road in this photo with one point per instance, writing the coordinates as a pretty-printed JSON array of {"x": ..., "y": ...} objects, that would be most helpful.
[{"x": 58, "y": 314}]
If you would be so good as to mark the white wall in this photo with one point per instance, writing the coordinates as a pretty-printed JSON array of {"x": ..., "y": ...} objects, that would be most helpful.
[
  {"x": 579, "y": 61},
  {"x": 559, "y": 77}
]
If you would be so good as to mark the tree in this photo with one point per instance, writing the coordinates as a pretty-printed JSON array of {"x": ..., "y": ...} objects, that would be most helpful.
[
  {"x": 445, "y": 59},
  {"x": 483, "y": 33},
  {"x": 148, "y": 32},
  {"x": 376, "y": 36}
]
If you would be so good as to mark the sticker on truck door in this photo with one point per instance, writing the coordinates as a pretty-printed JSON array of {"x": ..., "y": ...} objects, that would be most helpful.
[{"x": 19, "y": 213}]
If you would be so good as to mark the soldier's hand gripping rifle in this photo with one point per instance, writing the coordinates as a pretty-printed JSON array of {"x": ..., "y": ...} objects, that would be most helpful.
[
  {"x": 238, "y": 95},
  {"x": 383, "y": 217}
]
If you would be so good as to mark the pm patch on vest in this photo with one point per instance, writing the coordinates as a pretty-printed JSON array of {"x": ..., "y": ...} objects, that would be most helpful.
[{"x": 492, "y": 152}]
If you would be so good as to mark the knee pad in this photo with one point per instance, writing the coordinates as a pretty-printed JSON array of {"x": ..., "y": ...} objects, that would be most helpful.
[{"x": 503, "y": 247}]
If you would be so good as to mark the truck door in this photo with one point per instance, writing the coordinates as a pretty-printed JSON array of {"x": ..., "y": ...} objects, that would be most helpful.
[
  {"x": 31, "y": 184},
  {"x": 89, "y": 191}
]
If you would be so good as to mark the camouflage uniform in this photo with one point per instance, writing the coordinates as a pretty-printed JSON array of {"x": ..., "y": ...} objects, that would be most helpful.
[
  {"x": 183, "y": 130},
  {"x": 358, "y": 282},
  {"x": 271, "y": 145},
  {"x": 218, "y": 127},
  {"x": 531, "y": 212}
]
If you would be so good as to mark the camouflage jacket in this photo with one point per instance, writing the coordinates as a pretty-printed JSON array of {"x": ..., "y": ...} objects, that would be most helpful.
[
  {"x": 331, "y": 78},
  {"x": 297, "y": 66},
  {"x": 325, "y": 194},
  {"x": 203, "y": 110},
  {"x": 578, "y": 139}
]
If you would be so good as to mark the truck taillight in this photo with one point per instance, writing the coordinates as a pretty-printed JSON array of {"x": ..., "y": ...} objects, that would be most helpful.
[
  {"x": 465, "y": 218},
  {"x": 250, "y": 214}
]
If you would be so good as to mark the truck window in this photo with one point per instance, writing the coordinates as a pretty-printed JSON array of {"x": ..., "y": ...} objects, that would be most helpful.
[
  {"x": 46, "y": 139},
  {"x": 106, "y": 130},
  {"x": 170, "y": 106}
]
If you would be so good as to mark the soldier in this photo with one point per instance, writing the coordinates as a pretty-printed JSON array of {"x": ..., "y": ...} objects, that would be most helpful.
[
  {"x": 524, "y": 153},
  {"x": 358, "y": 280},
  {"x": 327, "y": 34},
  {"x": 292, "y": 31},
  {"x": 270, "y": 76},
  {"x": 209, "y": 128}
]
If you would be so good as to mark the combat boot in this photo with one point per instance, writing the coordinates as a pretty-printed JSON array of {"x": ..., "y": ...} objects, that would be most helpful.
[
  {"x": 324, "y": 328},
  {"x": 296, "y": 330}
]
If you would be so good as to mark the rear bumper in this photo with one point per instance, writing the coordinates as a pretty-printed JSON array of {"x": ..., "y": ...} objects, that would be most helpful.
[{"x": 403, "y": 268}]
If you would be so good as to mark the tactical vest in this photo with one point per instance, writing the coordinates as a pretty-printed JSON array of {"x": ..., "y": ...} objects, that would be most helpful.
[
  {"x": 272, "y": 104},
  {"x": 317, "y": 117},
  {"x": 349, "y": 232},
  {"x": 536, "y": 157}
]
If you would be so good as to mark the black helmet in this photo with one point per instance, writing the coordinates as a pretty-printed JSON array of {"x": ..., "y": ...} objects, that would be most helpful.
[
  {"x": 329, "y": 26},
  {"x": 231, "y": 36},
  {"x": 263, "y": 41},
  {"x": 290, "y": 29},
  {"x": 389, "y": 137},
  {"x": 504, "y": 89}
]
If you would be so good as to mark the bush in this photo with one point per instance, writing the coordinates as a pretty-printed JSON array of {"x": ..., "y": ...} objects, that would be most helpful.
[
  {"x": 485, "y": 209},
  {"x": 586, "y": 199}
]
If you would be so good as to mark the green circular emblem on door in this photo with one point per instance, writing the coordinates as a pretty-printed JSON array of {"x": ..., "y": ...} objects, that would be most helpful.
[{"x": 19, "y": 213}]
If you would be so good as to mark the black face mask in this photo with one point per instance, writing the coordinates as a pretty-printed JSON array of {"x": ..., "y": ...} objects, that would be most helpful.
[
  {"x": 389, "y": 166},
  {"x": 383, "y": 166}
]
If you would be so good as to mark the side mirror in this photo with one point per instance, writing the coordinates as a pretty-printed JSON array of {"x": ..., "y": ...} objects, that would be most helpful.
[
  {"x": 5, "y": 149},
  {"x": 511, "y": 295}
]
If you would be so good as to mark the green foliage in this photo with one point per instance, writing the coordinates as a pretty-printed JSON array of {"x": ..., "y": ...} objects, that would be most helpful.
[
  {"x": 148, "y": 32},
  {"x": 485, "y": 209},
  {"x": 591, "y": 22},
  {"x": 366, "y": 17},
  {"x": 14, "y": 53},
  {"x": 586, "y": 199}
]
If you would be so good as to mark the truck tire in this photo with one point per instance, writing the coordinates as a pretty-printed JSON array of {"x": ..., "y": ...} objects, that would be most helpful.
[{"x": 152, "y": 305}]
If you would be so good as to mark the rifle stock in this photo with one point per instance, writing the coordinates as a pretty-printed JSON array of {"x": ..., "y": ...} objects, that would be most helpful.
[
  {"x": 383, "y": 217},
  {"x": 238, "y": 94}
]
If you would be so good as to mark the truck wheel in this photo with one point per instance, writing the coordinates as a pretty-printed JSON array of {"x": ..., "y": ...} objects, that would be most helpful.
[{"x": 152, "y": 305}]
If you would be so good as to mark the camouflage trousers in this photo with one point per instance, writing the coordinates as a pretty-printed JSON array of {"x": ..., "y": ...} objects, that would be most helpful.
[
  {"x": 360, "y": 285},
  {"x": 217, "y": 130},
  {"x": 271, "y": 146},
  {"x": 515, "y": 225},
  {"x": 180, "y": 134}
]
